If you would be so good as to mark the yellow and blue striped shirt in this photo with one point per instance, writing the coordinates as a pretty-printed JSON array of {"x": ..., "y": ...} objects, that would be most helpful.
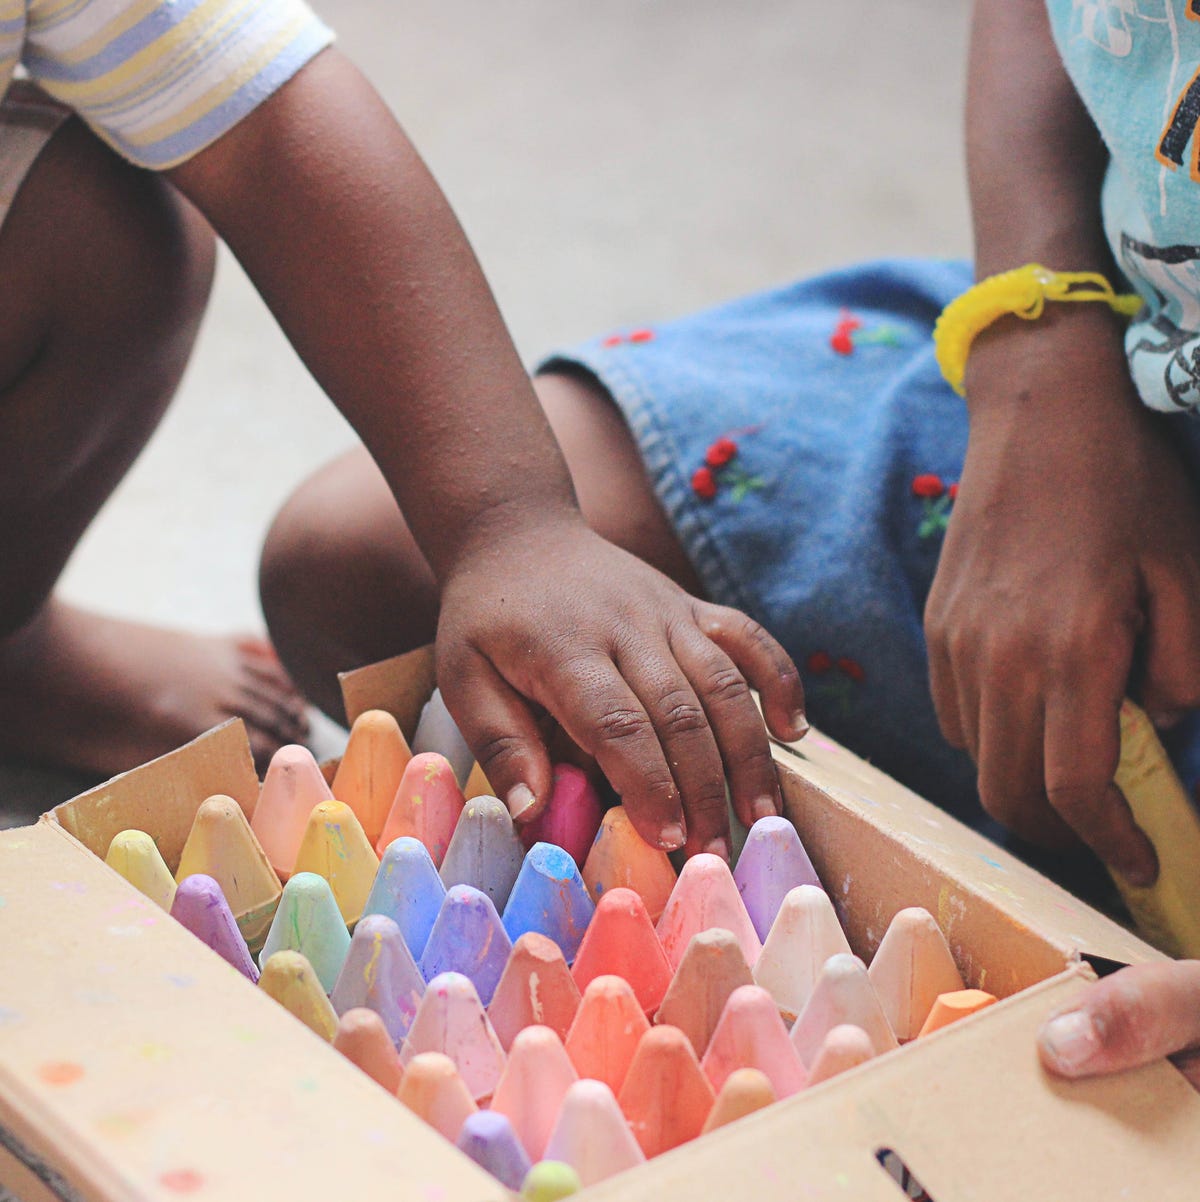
[{"x": 158, "y": 80}]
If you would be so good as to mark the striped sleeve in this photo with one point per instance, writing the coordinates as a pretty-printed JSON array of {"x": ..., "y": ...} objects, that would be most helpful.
[{"x": 159, "y": 80}]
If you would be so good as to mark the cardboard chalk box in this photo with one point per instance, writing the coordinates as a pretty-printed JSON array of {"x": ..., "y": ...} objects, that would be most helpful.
[{"x": 136, "y": 1064}]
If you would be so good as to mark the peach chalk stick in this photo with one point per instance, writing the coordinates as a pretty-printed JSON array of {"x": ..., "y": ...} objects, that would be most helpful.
[
  {"x": 843, "y": 994},
  {"x": 705, "y": 896},
  {"x": 621, "y": 859},
  {"x": 536, "y": 986},
  {"x": 911, "y": 966},
  {"x": 606, "y": 1031},
  {"x": 308, "y": 921},
  {"x": 549, "y": 1181},
  {"x": 408, "y": 890},
  {"x": 773, "y": 862},
  {"x": 845, "y": 1047},
  {"x": 950, "y": 1007},
  {"x": 200, "y": 906},
  {"x": 426, "y": 806},
  {"x": 621, "y": 941},
  {"x": 433, "y": 1089},
  {"x": 135, "y": 856},
  {"x": 451, "y": 1020},
  {"x": 484, "y": 850},
  {"x": 222, "y": 845},
  {"x": 532, "y": 1087},
  {"x": 335, "y": 847},
  {"x": 371, "y": 767},
  {"x": 380, "y": 974},
  {"x": 363, "y": 1039},
  {"x": 711, "y": 969},
  {"x": 745, "y": 1091},
  {"x": 292, "y": 787},
  {"x": 751, "y": 1034},
  {"x": 571, "y": 817},
  {"x": 666, "y": 1097},
  {"x": 805, "y": 933},
  {"x": 290, "y": 980},
  {"x": 591, "y": 1134},
  {"x": 489, "y": 1140}
]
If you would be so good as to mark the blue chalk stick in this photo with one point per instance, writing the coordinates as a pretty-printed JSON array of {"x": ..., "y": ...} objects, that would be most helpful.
[
  {"x": 381, "y": 975},
  {"x": 772, "y": 863},
  {"x": 408, "y": 890},
  {"x": 488, "y": 1138},
  {"x": 549, "y": 897},
  {"x": 468, "y": 938}
]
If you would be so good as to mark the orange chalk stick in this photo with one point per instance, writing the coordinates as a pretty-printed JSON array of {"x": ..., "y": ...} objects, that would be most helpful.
[
  {"x": 845, "y": 1047},
  {"x": 289, "y": 979},
  {"x": 536, "y": 986},
  {"x": 705, "y": 896},
  {"x": 621, "y": 859},
  {"x": 711, "y": 969},
  {"x": 532, "y": 1087},
  {"x": 752, "y": 1035},
  {"x": 363, "y": 1039},
  {"x": 606, "y": 1031},
  {"x": 434, "y": 1091},
  {"x": 745, "y": 1091},
  {"x": 620, "y": 940},
  {"x": 911, "y": 967},
  {"x": 950, "y": 1007},
  {"x": 335, "y": 847},
  {"x": 666, "y": 1097},
  {"x": 371, "y": 768},
  {"x": 426, "y": 806},
  {"x": 292, "y": 786},
  {"x": 222, "y": 845}
]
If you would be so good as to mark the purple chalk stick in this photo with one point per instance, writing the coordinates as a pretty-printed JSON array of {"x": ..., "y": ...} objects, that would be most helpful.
[
  {"x": 571, "y": 817},
  {"x": 772, "y": 863},
  {"x": 201, "y": 907},
  {"x": 468, "y": 938},
  {"x": 381, "y": 975},
  {"x": 488, "y": 1138}
]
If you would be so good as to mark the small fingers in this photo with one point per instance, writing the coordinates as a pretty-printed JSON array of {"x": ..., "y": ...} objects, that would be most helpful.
[
  {"x": 763, "y": 662},
  {"x": 1133, "y": 1017}
]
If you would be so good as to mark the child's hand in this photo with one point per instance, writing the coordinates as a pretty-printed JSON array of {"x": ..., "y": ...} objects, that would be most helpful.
[
  {"x": 650, "y": 681},
  {"x": 1075, "y": 536},
  {"x": 1131, "y": 1018}
]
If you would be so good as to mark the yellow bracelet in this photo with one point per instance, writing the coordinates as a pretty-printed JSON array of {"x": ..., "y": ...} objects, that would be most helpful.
[{"x": 1024, "y": 292}]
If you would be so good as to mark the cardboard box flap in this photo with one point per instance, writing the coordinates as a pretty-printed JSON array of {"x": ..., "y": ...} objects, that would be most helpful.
[
  {"x": 136, "y": 1063},
  {"x": 966, "y": 880},
  {"x": 971, "y": 1114},
  {"x": 161, "y": 797},
  {"x": 401, "y": 685}
]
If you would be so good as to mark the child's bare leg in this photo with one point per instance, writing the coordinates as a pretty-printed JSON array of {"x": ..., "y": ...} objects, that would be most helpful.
[
  {"x": 344, "y": 584},
  {"x": 104, "y": 274}
]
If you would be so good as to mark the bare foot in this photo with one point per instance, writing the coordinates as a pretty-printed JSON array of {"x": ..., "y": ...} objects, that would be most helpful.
[{"x": 103, "y": 695}]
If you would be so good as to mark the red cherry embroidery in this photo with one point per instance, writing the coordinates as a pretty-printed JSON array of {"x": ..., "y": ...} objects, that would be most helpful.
[
  {"x": 721, "y": 452},
  {"x": 819, "y": 663},
  {"x": 928, "y": 485},
  {"x": 852, "y": 668},
  {"x": 704, "y": 483}
]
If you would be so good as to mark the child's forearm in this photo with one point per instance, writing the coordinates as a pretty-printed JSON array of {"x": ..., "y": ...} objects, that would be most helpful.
[{"x": 342, "y": 229}]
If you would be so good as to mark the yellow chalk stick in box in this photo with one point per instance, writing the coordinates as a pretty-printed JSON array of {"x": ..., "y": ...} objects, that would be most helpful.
[{"x": 1167, "y": 913}]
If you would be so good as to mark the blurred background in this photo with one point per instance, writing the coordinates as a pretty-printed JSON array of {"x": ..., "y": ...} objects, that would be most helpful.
[{"x": 614, "y": 162}]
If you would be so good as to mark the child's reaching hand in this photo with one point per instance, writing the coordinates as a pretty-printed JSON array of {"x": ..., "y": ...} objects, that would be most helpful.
[
  {"x": 647, "y": 679},
  {"x": 1133, "y": 1017}
]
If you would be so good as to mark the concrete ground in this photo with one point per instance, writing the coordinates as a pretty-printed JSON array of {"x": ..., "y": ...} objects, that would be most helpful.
[{"x": 613, "y": 162}]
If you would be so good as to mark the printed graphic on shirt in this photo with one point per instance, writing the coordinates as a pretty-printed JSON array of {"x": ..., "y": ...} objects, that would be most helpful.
[
  {"x": 1166, "y": 349},
  {"x": 1105, "y": 23}
]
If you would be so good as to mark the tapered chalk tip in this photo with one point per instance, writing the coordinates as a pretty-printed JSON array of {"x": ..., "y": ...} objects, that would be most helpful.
[
  {"x": 201, "y": 907},
  {"x": 363, "y": 1039},
  {"x": 468, "y": 937},
  {"x": 912, "y": 965},
  {"x": 484, "y": 850},
  {"x": 288, "y": 977},
  {"x": 550, "y": 1180},
  {"x": 434, "y": 1091},
  {"x": 745, "y": 1091},
  {"x": 950, "y": 1007},
  {"x": 571, "y": 817},
  {"x": 135, "y": 856},
  {"x": 706, "y": 896},
  {"x": 549, "y": 896},
  {"x": 845, "y": 1047},
  {"x": 489, "y": 1140},
  {"x": 772, "y": 862}
]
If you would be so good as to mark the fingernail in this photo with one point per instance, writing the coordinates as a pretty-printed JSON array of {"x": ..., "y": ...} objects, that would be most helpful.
[
  {"x": 672, "y": 837},
  {"x": 518, "y": 800},
  {"x": 1071, "y": 1040},
  {"x": 764, "y": 807},
  {"x": 800, "y": 724},
  {"x": 718, "y": 847}
]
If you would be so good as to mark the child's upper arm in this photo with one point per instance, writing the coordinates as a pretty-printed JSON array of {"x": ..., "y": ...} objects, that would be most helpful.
[{"x": 161, "y": 81}]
